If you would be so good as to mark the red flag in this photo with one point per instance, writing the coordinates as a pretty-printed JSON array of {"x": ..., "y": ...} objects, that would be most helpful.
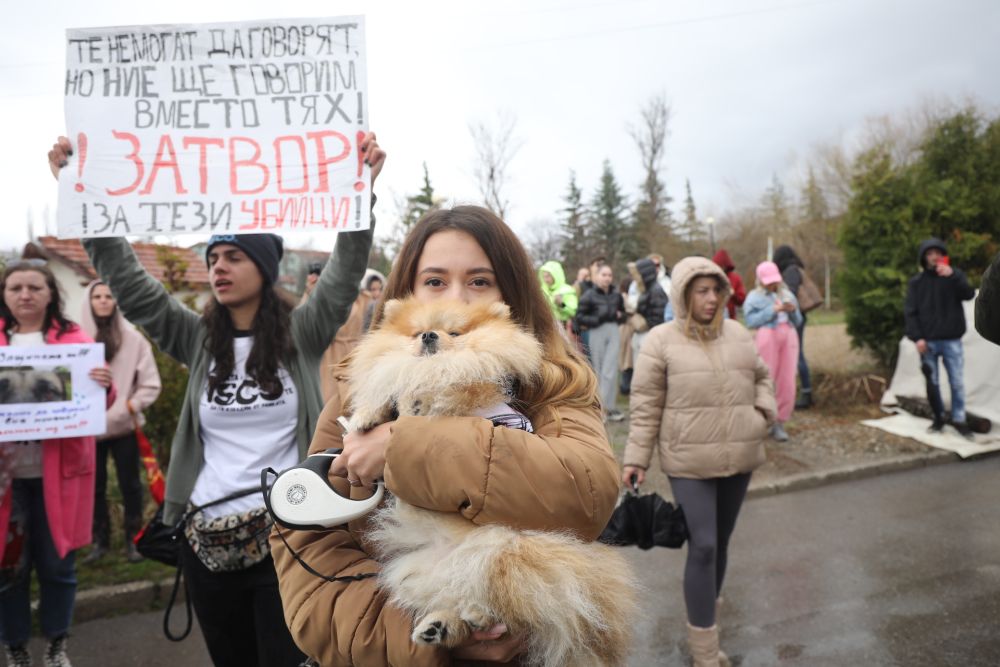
[{"x": 157, "y": 485}]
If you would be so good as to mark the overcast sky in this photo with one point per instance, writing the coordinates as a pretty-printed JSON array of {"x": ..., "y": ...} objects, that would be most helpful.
[{"x": 753, "y": 85}]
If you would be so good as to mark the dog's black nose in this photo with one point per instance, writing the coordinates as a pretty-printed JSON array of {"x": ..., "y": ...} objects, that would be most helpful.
[{"x": 429, "y": 337}]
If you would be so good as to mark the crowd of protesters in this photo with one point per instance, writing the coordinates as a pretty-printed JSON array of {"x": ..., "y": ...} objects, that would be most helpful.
[
  {"x": 610, "y": 323},
  {"x": 705, "y": 391}
]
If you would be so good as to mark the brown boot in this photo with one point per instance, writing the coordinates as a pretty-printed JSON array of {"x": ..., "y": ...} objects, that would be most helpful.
[
  {"x": 723, "y": 658},
  {"x": 704, "y": 646}
]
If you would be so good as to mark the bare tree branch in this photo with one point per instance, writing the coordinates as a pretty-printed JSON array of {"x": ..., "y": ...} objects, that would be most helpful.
[{"x": 495, "y": 147}]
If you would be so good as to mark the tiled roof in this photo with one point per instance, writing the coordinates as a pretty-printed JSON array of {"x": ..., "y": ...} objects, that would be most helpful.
[{"x": 71, "y": 252}]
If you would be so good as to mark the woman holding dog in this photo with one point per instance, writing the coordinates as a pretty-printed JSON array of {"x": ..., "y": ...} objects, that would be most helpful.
[
  {"x": 46, "y": 486},
  {"x": 252, "y": 401},
  {"x": 562, "y": 476},
  {"x": 702, "y": 396}
]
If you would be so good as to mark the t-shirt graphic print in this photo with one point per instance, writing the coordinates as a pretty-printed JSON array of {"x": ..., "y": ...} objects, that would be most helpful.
[{"x": 244, "y": 429}]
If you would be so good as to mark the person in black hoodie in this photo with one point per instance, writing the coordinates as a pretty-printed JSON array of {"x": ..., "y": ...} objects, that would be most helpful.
[
  {"x": 600, "y": 312},
  {"x": 791, "y": 268},
  {"x": 652, "y": 301},
  {"x": 988, "y": 303},
  {"x": 935, "y": 321}
]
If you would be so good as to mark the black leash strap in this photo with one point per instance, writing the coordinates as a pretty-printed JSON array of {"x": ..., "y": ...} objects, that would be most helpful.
[
  {"x": 170, "y": 606},
  {"x": 277, "y": 527}
]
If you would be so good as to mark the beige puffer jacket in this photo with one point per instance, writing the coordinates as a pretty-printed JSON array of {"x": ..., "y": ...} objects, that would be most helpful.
[{"x": 702, "y": 396}]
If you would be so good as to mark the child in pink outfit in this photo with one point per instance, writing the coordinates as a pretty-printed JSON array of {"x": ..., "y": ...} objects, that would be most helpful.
[{"x": 773, "y": 311}]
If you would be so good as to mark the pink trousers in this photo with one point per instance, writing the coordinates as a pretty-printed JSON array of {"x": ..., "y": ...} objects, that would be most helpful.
[{"x": 779, "y": 348}]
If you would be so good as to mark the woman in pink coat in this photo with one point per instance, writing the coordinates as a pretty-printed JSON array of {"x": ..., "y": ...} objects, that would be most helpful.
[
  {"x": 46, "y": 486},
  {"x": 137, "y": 382}
]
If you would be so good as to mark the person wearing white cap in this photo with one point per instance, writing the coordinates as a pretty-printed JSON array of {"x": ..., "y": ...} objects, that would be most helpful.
[{"x": 773, "y": 311}]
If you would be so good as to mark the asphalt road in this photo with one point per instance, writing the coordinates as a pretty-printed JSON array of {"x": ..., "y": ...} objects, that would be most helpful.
[{"x": 902, "y": 569}]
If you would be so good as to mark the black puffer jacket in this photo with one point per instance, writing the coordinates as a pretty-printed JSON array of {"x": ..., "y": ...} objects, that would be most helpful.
[
  {"x": 988, "y": 303},
  {"x": 652, "y": 299},
  {"x": 597, "y": 307},
  {"x": 933, "y": 307}
]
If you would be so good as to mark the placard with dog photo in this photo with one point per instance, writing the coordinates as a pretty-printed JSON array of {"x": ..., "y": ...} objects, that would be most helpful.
[{"x": 45, "y": 392}]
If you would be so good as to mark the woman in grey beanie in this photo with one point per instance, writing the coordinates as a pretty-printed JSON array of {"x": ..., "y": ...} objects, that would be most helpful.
[{"x": 252, "y": 402}]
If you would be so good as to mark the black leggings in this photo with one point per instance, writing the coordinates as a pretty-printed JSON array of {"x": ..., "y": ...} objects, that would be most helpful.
[
  {"x": 240, "y": 614},
  {"x": 710, "y": 508},
  {"x": 125, "y": 452}
]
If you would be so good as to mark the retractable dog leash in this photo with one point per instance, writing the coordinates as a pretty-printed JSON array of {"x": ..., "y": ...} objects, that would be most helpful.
[{"x": 301, "y": 498}]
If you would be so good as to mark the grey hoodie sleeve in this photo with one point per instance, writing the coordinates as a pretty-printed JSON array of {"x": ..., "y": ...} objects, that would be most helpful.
[{"x": 143, "y": 300}]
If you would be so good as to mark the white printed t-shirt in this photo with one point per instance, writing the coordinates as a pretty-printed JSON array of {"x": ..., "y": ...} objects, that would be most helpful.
[{"x": 243, "y": 432}]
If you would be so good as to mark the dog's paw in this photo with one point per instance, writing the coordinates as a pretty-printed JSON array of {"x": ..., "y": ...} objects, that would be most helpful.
[
  {"x": 411, "y": 406},
  {"x": 476, "y": 617},
  {"x": 431, "y": 630}
]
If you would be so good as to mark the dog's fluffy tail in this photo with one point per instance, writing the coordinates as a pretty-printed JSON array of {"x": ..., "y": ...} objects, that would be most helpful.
[{"x": 574, "y": 601}]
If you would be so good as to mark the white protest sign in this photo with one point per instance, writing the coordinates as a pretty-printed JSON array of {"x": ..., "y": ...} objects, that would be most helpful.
[
  {"x": 45, "y": 392},
  {"x": 217, "y": 128}
]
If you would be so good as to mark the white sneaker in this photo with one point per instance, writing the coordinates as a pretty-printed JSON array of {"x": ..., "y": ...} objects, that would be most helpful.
[
  {"x": 55, "y": 653},
  {"x": 615, "y": 416},
  {"x": 17, "y": 656},
  {"x": 778, "y": 433}
]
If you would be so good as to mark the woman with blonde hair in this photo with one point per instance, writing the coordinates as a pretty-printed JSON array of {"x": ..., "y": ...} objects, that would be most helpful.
[
  {"x": 562, "y": 476},
  {"x": 703, "y": 398}
]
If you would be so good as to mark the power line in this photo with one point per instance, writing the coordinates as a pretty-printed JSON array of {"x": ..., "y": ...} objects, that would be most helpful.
[{"x": 651, "y": 26}]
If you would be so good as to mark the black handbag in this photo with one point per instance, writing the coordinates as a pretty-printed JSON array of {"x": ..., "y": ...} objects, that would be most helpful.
[
  {"x": 158, "y": 541},
  {"x": 645, "y": 521}
]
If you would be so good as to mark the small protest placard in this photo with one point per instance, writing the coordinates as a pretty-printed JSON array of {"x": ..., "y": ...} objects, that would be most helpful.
[
  {"x": 45, "y": 392},
  {"x": 216, "y": 128}
]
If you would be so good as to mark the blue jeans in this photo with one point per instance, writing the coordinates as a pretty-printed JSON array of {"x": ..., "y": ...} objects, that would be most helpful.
[
  {"x": 56, "y": 576},
  {"x": 804, "y": 380},
  {"x": 950, "y": 351}
]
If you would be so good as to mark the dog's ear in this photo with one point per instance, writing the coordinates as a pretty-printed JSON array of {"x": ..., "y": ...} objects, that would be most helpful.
[
  {"x": 500, "y": 310},
  {"x": 391, "y": 308}
]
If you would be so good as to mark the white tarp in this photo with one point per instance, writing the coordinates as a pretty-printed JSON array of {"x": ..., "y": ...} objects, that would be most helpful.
[{"x": 982, "y": 393}]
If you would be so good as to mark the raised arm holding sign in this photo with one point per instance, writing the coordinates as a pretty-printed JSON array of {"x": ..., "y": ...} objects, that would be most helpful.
[{"x": 234, "y": 130}]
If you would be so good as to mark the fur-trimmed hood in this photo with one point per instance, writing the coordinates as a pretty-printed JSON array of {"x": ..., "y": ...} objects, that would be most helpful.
[
  {"x": 687, "y": 270},
  {"x": 644, "y": 273}
]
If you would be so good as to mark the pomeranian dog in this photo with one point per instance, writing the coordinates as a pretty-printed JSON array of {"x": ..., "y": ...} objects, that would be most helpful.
[{"x": 571, "y": 600}]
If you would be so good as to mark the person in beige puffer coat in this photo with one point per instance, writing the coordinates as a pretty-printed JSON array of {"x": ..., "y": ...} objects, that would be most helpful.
[{"x": 702, "y": 396}]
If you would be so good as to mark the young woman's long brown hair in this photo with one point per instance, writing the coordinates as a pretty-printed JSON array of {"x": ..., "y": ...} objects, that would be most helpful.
[
  {"x": 108, "y": 330},
  {"x": 566, "y": 378},
  {"x": 54, "y": 311},
  {"x": 272, "y": 342}
]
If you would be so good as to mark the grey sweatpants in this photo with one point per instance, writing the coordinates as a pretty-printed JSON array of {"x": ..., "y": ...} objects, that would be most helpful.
[
  {"x": 710, "y": 509},
  {"x": 604, "y": 343}
]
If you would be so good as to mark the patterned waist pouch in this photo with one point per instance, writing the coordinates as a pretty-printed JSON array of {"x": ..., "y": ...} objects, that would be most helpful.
[{"x": 231, "y": 542}]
